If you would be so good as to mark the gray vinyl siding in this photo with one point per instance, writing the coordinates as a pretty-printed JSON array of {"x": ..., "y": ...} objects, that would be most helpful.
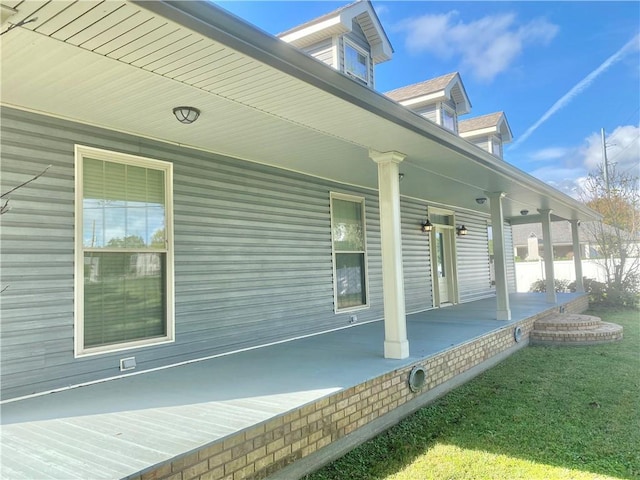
[
  {"x": 472, "y": 250},
  {"x": 252, "y": 247},
  {"x": 418, "y": 287},
  {"x": 323, "y": 51},
  {"x": 430, "y": 112},
  {"x": 511, "y": 261},
  {"x": 482, "y": 142},
  {"x": 357, "y": 36}
]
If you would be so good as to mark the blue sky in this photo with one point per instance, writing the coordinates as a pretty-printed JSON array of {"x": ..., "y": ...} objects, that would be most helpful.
[{"x": 560, "y": 71}]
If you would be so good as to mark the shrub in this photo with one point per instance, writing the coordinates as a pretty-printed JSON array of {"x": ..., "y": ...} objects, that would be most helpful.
[
  {"x": 540, "y": 286},
  {"x": 626, "y": 295}
]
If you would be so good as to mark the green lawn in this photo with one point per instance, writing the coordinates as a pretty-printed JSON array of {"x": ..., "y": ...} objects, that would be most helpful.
[{"x": 544, "y": 413}]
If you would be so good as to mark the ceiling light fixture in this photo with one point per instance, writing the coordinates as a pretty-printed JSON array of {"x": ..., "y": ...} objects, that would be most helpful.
[{"x": 186, "y": 115}]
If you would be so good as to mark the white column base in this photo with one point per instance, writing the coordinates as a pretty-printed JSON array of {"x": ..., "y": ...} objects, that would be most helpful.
[
  {"x": 396, "y": 349},
  {"x": 503, "y": 315},
  {"x": 552, "y": 297}
]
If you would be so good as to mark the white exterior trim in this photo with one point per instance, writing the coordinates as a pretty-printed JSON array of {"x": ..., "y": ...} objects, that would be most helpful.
[
  {"x": 367, "y": 304},
  {"x": 116, "y": 157}
]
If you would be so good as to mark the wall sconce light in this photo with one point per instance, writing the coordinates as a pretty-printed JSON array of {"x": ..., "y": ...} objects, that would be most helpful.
[
  {"x": 461, "y": 230},
  {"x": 186, "y": 115},
  {"x": 400, "y": 176},
  {"x": 524, "y": 212},
  {"x": 426, "y": 226},
  {"x": 481, "y": 200}
]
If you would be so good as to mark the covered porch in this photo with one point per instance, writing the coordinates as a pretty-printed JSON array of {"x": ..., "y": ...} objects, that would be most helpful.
[{"x": 253, "y": 413}]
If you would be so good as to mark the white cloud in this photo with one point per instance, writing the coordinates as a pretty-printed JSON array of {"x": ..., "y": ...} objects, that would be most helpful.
[
  {"x": 623, "y": 149},
  {"x": 571, "y": 166},
  {"x": 548, "y": 154},
  {"x": 486, "y": 47}
]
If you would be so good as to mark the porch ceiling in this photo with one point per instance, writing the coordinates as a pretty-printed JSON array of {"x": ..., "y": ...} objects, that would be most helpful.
[{"x": 125, "y": 65}]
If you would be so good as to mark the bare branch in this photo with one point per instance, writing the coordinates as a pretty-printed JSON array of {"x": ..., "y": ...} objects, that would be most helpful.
[{"x": 23, "y": 184}]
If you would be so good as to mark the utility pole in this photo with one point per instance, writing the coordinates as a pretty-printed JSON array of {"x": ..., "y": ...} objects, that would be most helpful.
[{"x": 606, "y": 162}]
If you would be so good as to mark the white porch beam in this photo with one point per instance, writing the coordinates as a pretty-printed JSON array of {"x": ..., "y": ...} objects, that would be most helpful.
[
  {"x": 545, "y": 217},
  {"x": 577, "y": 255},
  {"x": 396, "y": 344},
  {"x": 499, "y": 256}
]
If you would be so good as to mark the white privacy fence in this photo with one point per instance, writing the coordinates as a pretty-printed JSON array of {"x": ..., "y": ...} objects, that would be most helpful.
[{"x": 529, "y": 272}]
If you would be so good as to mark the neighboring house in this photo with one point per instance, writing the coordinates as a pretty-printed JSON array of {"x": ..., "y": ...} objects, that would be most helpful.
[{"x": 528, "y": 240}]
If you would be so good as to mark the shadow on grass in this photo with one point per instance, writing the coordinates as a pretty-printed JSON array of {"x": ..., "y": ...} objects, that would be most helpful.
[{"x": 569, "y": 407}]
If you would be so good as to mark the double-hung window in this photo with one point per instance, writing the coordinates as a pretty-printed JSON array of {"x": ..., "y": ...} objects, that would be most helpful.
[
  {"x": 124, "y": 251},
  {"x": 349, "y": 252},
  {"x": 356, "y": 62}
]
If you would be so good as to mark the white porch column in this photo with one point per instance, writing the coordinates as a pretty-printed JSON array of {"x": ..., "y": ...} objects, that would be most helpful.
[
  {"x": 396, "y": 344},
  {"x": 577, "y": 255},
  {"x": 499, "y": 256},
  {"x": 545, "y": 215}
]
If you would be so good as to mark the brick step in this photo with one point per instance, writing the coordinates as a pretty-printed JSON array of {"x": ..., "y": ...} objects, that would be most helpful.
[
  {"x": 567, "y": 322},
  {"x": 603, "y": 333}
]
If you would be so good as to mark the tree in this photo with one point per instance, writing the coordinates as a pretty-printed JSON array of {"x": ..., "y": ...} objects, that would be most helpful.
[
  {"x": 4, "y": 198},
  {"x": 617, "y": 236}
]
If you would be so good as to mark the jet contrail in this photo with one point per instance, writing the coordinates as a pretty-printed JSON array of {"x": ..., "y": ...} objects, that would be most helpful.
[{"x": 631, "y": 45}]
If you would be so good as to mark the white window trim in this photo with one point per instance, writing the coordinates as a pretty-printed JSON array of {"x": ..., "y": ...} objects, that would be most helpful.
[
  {"x": 347, "y": 42},
  {"x": 367, "y": 304},
  {"x": 167, "y": 167}
]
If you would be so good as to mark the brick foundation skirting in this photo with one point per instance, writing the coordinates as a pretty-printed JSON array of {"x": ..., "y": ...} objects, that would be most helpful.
[{"x": 260, "y": 451}]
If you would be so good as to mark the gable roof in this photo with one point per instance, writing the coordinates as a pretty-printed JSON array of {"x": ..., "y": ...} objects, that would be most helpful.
[
  {"x": 339, "y": 22},
  {"x": 446, "y": 87},
  {"x": 486, "y": 125}
]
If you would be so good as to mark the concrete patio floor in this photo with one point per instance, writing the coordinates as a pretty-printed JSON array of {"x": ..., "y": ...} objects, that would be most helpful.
[{"x": 117, "y": 428}]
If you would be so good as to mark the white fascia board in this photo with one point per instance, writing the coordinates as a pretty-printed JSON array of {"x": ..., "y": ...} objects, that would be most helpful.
[
  {"x": 330, "y": 27},
  {"x": 480, "y": 132},
  {"x": 381, "y": 52},
  {"x": 424, "y": 99}
]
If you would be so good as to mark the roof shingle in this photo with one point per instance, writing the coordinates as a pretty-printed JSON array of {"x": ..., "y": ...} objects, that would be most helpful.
[{"x": 421, "y": 88}]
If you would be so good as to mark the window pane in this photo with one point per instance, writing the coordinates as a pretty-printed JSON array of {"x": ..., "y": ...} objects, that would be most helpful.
[
  {"x": 449, "y": 121},
  {"x": 124, "y": 297},
  {"x": 124, "y": 206},
  {"x": 355, "y": 62},
  {"x": 348, "y": 231},
  {"x": 350, "y": 279}
]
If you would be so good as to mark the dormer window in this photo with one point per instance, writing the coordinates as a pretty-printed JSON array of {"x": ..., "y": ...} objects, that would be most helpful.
[
  {"x": 448, "y": 118},
  {"x": 356, "y": 62},
  {"x": 496, "y": 147}
]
